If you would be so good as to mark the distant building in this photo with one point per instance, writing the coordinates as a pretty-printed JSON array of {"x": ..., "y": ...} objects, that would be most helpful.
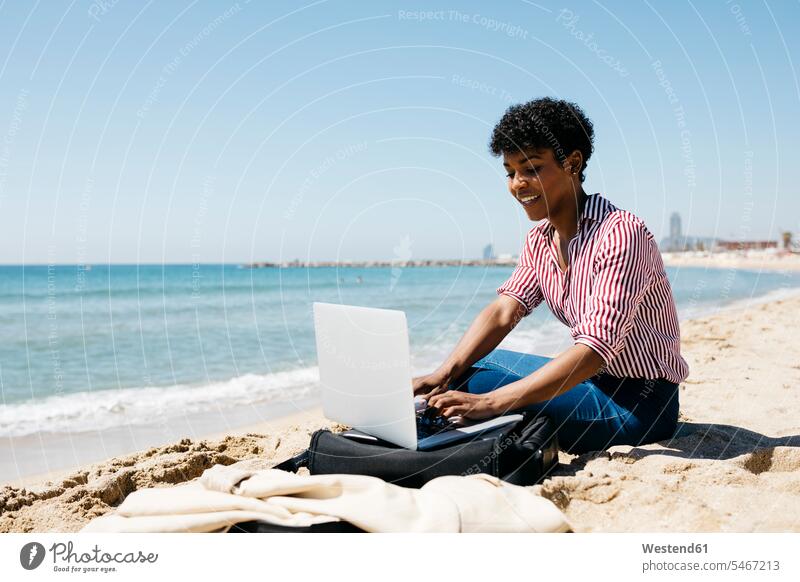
[
  {"x": 675, "y": 226},
  {"x": 700, "y": 243},
  {"x": 678, "y": 242},
  {"x": 746, "y": 245},
  {"x": 488, "y": 253},
  {"x": 675, "y": 241}
]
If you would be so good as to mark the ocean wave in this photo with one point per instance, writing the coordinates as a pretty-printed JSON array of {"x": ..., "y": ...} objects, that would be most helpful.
[
  {"x": 109, "y": 408},
  {"x": 547, "y": 338}
]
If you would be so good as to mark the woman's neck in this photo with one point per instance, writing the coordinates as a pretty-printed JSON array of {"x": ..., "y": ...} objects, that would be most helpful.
[{"x": 566, "y": 221}]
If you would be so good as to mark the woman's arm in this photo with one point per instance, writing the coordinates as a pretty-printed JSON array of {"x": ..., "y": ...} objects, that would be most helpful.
[
  {"x": 484, "y": 334},
  {"x": 568, "y": 369}
]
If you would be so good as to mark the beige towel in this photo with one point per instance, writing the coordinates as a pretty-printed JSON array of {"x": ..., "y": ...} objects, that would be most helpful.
[{"x": 224, "y": 496}]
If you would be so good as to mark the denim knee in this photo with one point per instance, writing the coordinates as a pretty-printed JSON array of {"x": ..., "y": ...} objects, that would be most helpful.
[
  {"x": 480, "y": 380},
  {"x": 518, "y": 363},
  {"x": 495, "y": 356}
]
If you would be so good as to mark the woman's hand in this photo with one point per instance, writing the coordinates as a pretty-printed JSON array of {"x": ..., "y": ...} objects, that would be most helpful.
[
  {"x": 431, "y": 384},
  {"x": 464, "y": 404}
]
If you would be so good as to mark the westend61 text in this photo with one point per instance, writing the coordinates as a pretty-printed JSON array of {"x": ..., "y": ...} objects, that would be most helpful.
[
  {"x": 65, "y": 554},
  {"x": 670, "y": 549}
]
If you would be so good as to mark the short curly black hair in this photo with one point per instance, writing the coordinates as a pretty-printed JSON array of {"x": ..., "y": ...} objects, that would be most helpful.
[{"x": 544, "y": 123}]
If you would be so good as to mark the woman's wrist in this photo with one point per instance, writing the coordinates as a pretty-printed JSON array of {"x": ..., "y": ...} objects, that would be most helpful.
[
  {"x": 507, "y": 398},
  {"x": 494, "y": 402},
  {"x": 446, "y": 373}
]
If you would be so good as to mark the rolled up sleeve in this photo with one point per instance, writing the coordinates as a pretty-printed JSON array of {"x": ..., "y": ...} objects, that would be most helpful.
[
  {"x": 523, "y": 284},
  {"x": 622, "y": 276}
]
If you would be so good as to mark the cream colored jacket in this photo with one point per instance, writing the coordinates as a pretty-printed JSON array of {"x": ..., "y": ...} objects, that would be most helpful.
[{"x": 224, "y": 496}]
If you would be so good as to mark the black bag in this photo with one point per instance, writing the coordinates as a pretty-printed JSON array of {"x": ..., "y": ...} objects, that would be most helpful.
[
  {"x": 267, "y": 527},
  {"x": 520, "y": 453}
]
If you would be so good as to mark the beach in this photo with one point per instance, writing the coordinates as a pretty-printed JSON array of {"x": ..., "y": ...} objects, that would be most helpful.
[
  {"x": 733, "y": 465},
  {"x": 749, "y": 260}
]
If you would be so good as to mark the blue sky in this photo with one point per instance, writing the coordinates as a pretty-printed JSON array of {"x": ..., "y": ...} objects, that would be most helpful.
[{"x": 235, "y": 132}]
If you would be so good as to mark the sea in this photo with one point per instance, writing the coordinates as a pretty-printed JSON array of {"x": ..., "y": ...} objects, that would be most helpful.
[{"x": 153, "y": 352}]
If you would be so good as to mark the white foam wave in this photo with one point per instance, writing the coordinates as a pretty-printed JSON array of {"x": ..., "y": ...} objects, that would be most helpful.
[
  {"x": 109, "y": 408},
  {"x": 546, "y": 338}
]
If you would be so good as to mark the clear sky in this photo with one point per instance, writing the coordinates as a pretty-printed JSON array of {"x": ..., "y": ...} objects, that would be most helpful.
[{"x": 234, "y": 132}]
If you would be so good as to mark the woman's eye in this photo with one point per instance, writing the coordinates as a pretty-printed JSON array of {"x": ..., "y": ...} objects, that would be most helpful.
[{"x": 534, "y": 171}]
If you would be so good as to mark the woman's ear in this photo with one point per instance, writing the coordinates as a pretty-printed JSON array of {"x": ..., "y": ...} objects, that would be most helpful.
[{"x": 574, "y": 163}]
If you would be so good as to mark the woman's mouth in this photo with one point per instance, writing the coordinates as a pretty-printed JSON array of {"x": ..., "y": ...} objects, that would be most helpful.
[{"x": 528, "y": 200}]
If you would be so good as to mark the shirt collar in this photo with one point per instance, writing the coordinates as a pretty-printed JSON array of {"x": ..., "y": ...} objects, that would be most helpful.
[{"x": 594, "y": 210}]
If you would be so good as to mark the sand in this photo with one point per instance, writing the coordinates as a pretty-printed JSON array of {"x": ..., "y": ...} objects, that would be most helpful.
[
  {"x": 733, "y": 465},
  {"x": 66, "y": 501}
]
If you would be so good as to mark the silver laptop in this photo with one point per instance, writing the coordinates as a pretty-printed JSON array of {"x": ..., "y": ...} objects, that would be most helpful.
[{"x": 365, "y": 373}]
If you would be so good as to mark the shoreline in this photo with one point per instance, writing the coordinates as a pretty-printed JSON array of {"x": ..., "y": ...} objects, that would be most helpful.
[
  {"x": 276, "y": 424},
  {"x": 752, "y": 260},
  {"x": 734, "y": 464},
  {"x": 95, "y": 447}
]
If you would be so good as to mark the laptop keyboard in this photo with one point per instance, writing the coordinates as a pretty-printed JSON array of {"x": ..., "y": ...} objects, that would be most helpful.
[{"x": 429, "y": 423}]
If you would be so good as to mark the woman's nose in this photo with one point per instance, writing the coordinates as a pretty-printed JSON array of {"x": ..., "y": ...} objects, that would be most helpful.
[{"x": 519, "y": 182}]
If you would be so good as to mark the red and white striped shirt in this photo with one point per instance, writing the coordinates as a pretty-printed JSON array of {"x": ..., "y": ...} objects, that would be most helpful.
[{"x": 614, "y": 296}]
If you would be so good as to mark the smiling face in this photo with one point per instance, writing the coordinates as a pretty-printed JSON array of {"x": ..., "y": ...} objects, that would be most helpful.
[{"x": 542, "y": 185}]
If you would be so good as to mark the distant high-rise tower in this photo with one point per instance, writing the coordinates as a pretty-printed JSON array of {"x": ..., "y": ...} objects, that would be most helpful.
[
  {"x": 488, "y": 253},
  {"x": 675, "y": 227}
]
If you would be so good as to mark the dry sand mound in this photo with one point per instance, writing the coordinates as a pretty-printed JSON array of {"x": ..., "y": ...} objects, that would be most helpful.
[
  {"x": 70, "y": 503},
  {"x": 708, "y": 478}
]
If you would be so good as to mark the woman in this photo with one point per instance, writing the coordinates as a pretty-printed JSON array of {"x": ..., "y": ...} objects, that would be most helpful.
[{"x": 600, "y": 272}]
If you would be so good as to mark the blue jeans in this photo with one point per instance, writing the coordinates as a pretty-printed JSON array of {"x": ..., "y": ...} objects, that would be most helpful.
[{"x": 595, "y": 414}]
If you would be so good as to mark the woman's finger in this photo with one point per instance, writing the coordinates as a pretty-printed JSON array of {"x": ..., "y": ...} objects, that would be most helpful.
[
  {"x": 455, "y": 410},
  {"x": 437, "y": 390},
  {"x": 454, "y": 402},
  {"x": 442, "y": 399}
]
